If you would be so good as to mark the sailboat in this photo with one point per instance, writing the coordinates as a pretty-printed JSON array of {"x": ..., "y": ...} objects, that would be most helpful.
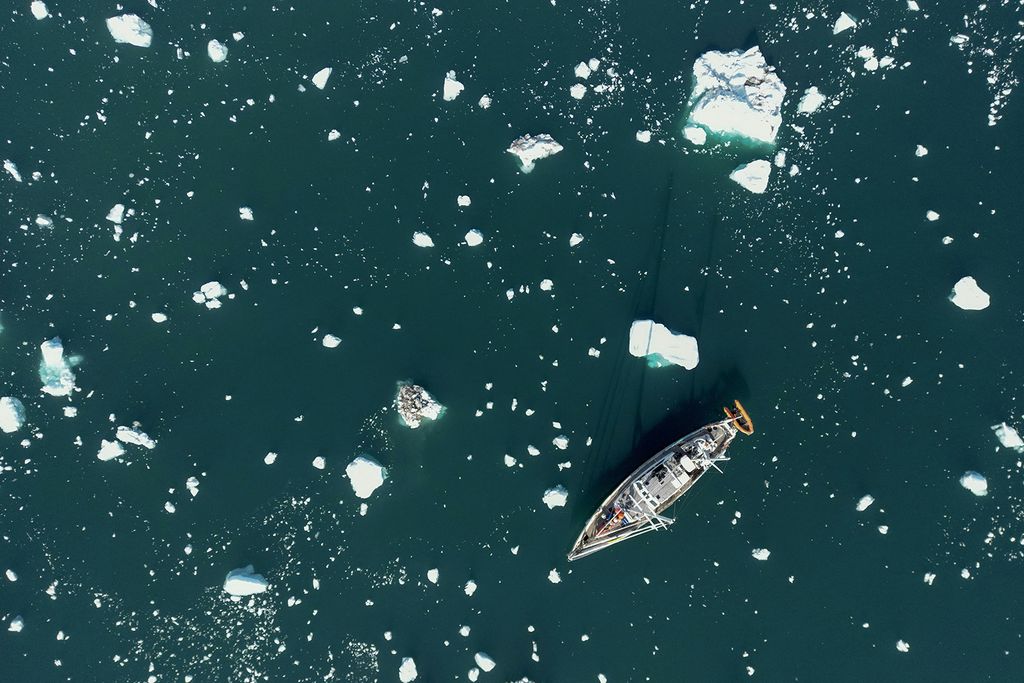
[{"x": 639, "y": 503}]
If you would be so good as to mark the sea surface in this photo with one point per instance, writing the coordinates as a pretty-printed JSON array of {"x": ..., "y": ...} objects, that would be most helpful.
[{"x": 812, "y": 303}]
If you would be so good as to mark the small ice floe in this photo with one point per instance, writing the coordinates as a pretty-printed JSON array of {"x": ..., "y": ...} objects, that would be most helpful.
[
  {"x": 135, "y": 436},
  {"x": 932, "y": 215},
  {"x": 433, "y": 575},
  {"x": 532, "y": 148},
  {"x": 761, "y": 554},
  {"x": 243, "y": 581},
  {"x": 414, "y": 404},
  {"x": 320, "y": 77},
  {"x": 407, "y": 671},
  {"x": 484, "y": 661},
  {"x": 319, "y": 462},
  {"x": 844, "y": 23},
  {"x": 661, "y": 346},
  {"x": 12, "y": 170},
  {"x": 546, "y": 285},
  {"x": 902, "y": 646},
  {"x": 55, "y": 369},
  {"x": 331, "y": 342},
  {"x": 968, "y": 295},
  {"x": 39, "y": 10},
  {"x": 12, "y": 414},
  {"x": 44, "y": 221},
  {"x": 333, "y": 134},
  {"x": 974, "y": 482},
  {"x": 11, "y": 576},
  {"x": 582, "y": 70},
  {"x": 695, "y": 134},
  {"x": 17, "y": 623},
  {"x": 463, "y": 200},
  {"x": 555, "y": 497},
  {"x": 737, "y": 93},
  {"x": 811, "y": 101},
  {"x": 554, "y": 576},
  {"x": 753, "y": 176},
  {"x": 366, "y": 475},
  {"x": 1007, "y": 435},
  {"x": 270, "y": 458},
  {"x": 129, "y": 28},
  {"x": 920, "y": 151},
  {"x": 70, "y": 411},
  {"x": 422, "y": 239},
  {"x": 217, "y": 51},
  {"x": 245, "y": 213},
  {"x": 474, "y": 238},
  {"x": 209, "y": 294},
  {"x": 110, "y": 450},
  {"x": 929, "y": 578},
  {"x": 169, "y": 508},
  {"x": 485, "y": 102},
  {"x": 470, "y": 587},
  {"x": 116, "y": 214},
  {"x": 865, "y": 502},
  {"x": 643, "y": 136},
  {"x": 192, "y": 484},
  {"x": 452, "y": 88},
  {"x": 578, "y": 91},
  {"x": 159, "y": 317},
  {"x": 561, "y": 442},
  {"x": 575, "y": 239}
]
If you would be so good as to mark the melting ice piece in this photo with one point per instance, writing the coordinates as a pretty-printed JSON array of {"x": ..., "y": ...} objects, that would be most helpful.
[
  {"x": 210, "y": 294},
  {"x": 555, "y": 497},
  {"x": 753, "y": 176},
  {"x": 844, "y": 23},
  {"x": 55, "y": 370},
  {"x": 116, "y": 214},
  {"x": 366, "y": 475},
  {"x": 407, "y": 671},
  {"x": 243, "y": 581},
  {"x": 422, "y": 239},
  {"x": 245, "y": 213},
  {"x": 661, "y": 346},
  {"x": 192, "y": 484},
  {"x": 902, "y": 646},
  {"x": 39, "y": 10},
  {"x": 12, "y": 169},
  {"x": 532, "y": 148},
  {"x": 1007, "y": 435},
  {"x": 331, "y": 341},
  {"x": 485, "y": 102},
  {"x": 737, "y": 93},
  {"x": 470, "y": 587},
  {"x": 217, "y": 50},
  {"x": 695, "y": 134},
  {"x": 320, "y": 77},
  {"x": 974, "y": 482},
  {"x": 415, "y": 404},
  {"x": 110, "y": 450},
  {"x": 643, "y": 136},
  {"x": 582, "y": 70},
  {"x": 484, "y": 661},
  {"x": 761, "y": 554},
  {"x": 452, "y": 87},
  {"x": 12, "y": 414},
  {"x": 554, "y": 576},
  {"x": 17, "y": 623},
  {"x": 433, "y": 575},
  {"x": 578, "y": 91},
  {"x": 561, "y": 442},
  {"x": 463, "y": 200},
  {"x": 129, "y": 28},
  {"x": 159, "y": 317},
  {"x": 811, "y": 101},
  {"x": 921, "y": 151},
  {"x": 474, "y": 238},
  {"x": 865, "y": 502},
  {"x": 968, "y": 295},
  {"x": 134, "y": 435}
]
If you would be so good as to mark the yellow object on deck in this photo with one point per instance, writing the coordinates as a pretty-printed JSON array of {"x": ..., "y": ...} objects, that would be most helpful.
[{"x": 740, "y": 418}]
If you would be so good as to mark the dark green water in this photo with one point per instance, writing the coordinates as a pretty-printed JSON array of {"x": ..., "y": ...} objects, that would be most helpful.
[{"x": 667, "y": 236}]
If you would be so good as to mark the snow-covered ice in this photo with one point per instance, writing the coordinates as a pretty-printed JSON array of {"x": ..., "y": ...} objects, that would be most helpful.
[
  {"x": 407, "y": 671},
  {"x": 474, "y": 238},
  {"x": 243, "y": 581},
  {"x": 902, "y": 646},
  {"x": 422, "y": 239},
  {"x": 133, "y": 435},
  {"x": 470, "y": 588},
  {"x": 737, "y": 93},
  {"x": 643, "y": 136},
  {"x": 12, "y": 170},
  {"x": 333, "y": 134},
  {"x": 974, "y": 482},
  {"x": 129, "y": 28},
  {"x": 320, "y": 77},
  {"x": 159, "y": 317},
  {"x": 932, "y": 215},
  {"x": 968, "y": 295},
  {"x": 433, "y": 575},
  {"x": 463, "y": 200},
  {"x": 811, "y": 101},
  {"x": 555, "y": 497},
  {"x": 110, "y": 450},
  {"x": 695, "y": 134},
  {"x": 55, "y": 370},
  {"x": 217, "y": 51},
  {"x": 554, "y": 576},
  {"x": 12, "y": 414},
  {"x": 452, "y": 87},
  {"x": 582, "y": 70},
  {"x": 865, "y": 502},
  {"x": 844, "y": 23},
  {"x": 331, "y": 341},
  {"x": 192, "y": 484},
  {"x": 39, "y": 10},
  {"x": 1007, "y": 435},
  {"x": 366, "y": 475},
  {"x": 920, "y": 151},
  {"x": 319, "y": 462},
  {"x": 532, "y": 148},
  {"x": 415, "y": 404},
  {"x": 578, "y": 91},
  {"x": 116, "y": 214},
  {"x": 16, "y": 624},
  {"x": 245, "y": 213},
  {"x": 753, "y": 176},
  {"x": 485, "y": 102},
  {"x": 761, "y": 554},
  {"x": 575, "y": 239},
  {"x": 661, "y": 346},
  {"x": 11, "y": 575},
  {"x": 484, "y": 661},
  {"x": 209, "y": 294}
]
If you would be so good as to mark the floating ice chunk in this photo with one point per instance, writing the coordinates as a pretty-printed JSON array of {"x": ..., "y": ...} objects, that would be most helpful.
[
  {"x": 920, "y": 151},
  {"x": 555, "y": 497},
  {"x": 415, "y": 404},
  {"x": 44, "y": 221},
  {"x": 210, "y": 294},
  {"x": 55, "y": 370},
  {"x": 737, "y": 93},
  {"x": 907, "y": 381},
  {"x": 929, "y": 578},
  {"x": 135, "y": 436},
  {"x": 241, "y": 582},
  {"x": 433, "y": 575},
  {"x": 407, "y": 671},
  {"x": 811, "y": 101},
  {"x": 270, "y": 458},
  {"x": 485, "y": 102},
  {"x": 17, "y": 623},
  {"x": 546, "y": 285},
  {"x": 12, "y": 169},
  {"x": 582, "y": 70},
  {"x": 217, "y": 50},
  {"x": 578, "y": 91},
  {"x": 484, "y": 661},
  {"x": 844, "y": 23},
  {"x": 192, "y": 484},
  {"x": 320, "y": 77},
  {"x": 11, "y": 576},
  {"x": 169, "y": 507},
  {"x": 560, "y": 442},
  {"x": 39, "y": 10},
  {"x": 463, "y": 200},
  {"x": 695, "y": 134},
  {"x": 753, "y": 176},
  {"x": 12, "y": 414},
  {"x": 422, "y": 239},
  {"x": 116, "y": 214},
  {"x": 932, "y": 215},
  {"x": 974, "y": 482},
  {"x": 554, "y": 576},
  {"x": 532, "y": 148},
  {"x": 643, "y": 136},
  {"x": 1007, "y": 435},
  {"x": 365, "y": 475},
  {"x": 129, "y": 28},
  {"x": 333, "y": 135},
  {"x": 452, "y": 87},
  {"x": 237, "y": 36},
  {"x": 902, "y": 646},
  {"x": 474, "y": 238},
  {"x": 661, "y": 346},
  {"x": 575, "y": 239},
  {"x": 331, "y": 342},
  {"x": 319, "y": 462},
  {"x": 968, "y": 295},
  {"x": 245, "y": 213},
  {"x": 865, "y": 502},
  {"x": 913, "y": 6},
  {"x": 761, "y": 554},
  {"x": 159, "y": 317},
  {"x": 470, "y": 588},
  {"x": 110, "y": 450}
]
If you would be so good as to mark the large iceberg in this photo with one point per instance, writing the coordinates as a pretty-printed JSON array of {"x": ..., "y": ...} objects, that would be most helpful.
[
  {"x": 12, "y": 414},
  {"x": 366, "y": 475},
  {"x": 531, "y": 148},
  {"x": 974, "y": 482},
  {"x": 414, "y": 405},
  {"x": 1007, "y": 435},
  {"x": 737, "y": 93},
  {"x": 55, "y": 369},
  {"x": 129, "y": 28},
  {"x": 109, "y": 450},
  {"x": 555, "y": 497},
  {"x": 968, "y": 295},
  {"x": 244, "y": 581},
  {"x": 661, "y": 346},
  {"x": 218, "y": 52},
  {"x": 753, "y": 176}
]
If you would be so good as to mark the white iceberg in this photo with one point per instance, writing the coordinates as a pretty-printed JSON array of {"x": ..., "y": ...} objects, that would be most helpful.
[
  {"x": 554, "y": 576},
  {"x": 578, "y": 91},
  {"x": 974, "y": 482},
  {"x": 643, "y": 136},
  {"x": 55, "y": 370},
  {"x": 17, "y": 623},
  {"x": 902, "y": 646},
  {"x": 217, "y": 51},
  {"x": 129, "y": 28},
  {"x": 12, "y": 414},
  {"x": 555, "y": 497},
  {"x": 245, "y": 213},
  {"x": 159, "y": 317},
  {"x": 407, "y": 671},
  {"x": 484, "y": 661},
  {"x": 921, "y": 151},
  {"x": 415, "y": 404},
  {"x": 469, "y": 588},
  {"x": 319, "y": 462},
  {"x": 422, "y": 239},
  {"x": 865, "y": 502},
  {"x": 753, "y": 176},
  {"x": 761, "y": 554},
  {"x": 433, "y": 575},
  {"x": 241, "y": 582},
  {"x": 209, "y": 294},
  {"x": 474, "y": 238},
  {"x": 532, "y": 148},
  {"x": 737, "y": 93},
  {"x": 661, "y": 346},
  {"x": 695, "y": 134},
  {"x": 844, "y": 23},
  {"x": 320, "y": 77},
  {"x": 110, "y": 450},
  {"x": 116, "y": 214},
  {"x": 968, "y": 295},
  {"x": 39, "y": 10},
  {"x": 811, "y": 101},
  {"x": 366, "y": 475},
  {"x": 133, "y": 435},
  {"x": 12, "y": 169},
  {"x": 331, "y": 342},
  {"x": 192, "y": 484},
  {"x": 582, "y": 70},
  {"x": 1007, "y": 435},
  {"x": 452, "y": 87},
  {"x": 463, "y": 200}
]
